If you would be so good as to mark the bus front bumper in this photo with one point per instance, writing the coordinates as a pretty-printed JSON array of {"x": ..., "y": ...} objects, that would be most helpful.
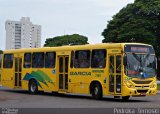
[{"x": 137, "y": 92}]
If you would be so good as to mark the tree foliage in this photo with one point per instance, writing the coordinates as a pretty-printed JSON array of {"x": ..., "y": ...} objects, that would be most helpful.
[
  {"x": 137, "y": 22},
  {"x": 74, "y": 39}
]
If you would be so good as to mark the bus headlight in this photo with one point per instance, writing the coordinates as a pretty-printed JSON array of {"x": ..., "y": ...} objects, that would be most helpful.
[
  {"x": 129, "y": 84},
  {"x": 153, "y": 85}
]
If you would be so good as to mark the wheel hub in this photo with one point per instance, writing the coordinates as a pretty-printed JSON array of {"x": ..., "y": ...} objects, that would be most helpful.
[
  {"x": 96, "y": 90},
  {"x": 33, "y": 87}
]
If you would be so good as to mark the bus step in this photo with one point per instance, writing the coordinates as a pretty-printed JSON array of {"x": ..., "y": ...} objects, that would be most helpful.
[{"x": 62, "y": 91}]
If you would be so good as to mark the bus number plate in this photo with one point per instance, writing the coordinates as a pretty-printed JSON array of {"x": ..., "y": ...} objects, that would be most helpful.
[{"x": 143, "y": 94}]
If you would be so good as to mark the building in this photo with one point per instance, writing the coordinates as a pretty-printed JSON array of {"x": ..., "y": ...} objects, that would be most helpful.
[{"x": 22, "y": 34}]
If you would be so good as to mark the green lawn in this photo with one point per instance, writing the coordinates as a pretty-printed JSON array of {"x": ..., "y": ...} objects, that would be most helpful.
[{"x": 158, "y": 86}]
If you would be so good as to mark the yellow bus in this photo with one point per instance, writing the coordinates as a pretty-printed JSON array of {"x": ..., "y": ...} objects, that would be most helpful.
[
  {"x": 0, "y": 65},
  {"x": 118, "y": 69}
]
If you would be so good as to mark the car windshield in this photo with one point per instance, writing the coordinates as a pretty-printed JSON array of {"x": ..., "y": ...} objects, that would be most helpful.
[{"x": 140, "y": 65}]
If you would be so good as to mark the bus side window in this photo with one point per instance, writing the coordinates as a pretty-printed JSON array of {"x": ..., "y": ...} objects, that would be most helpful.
[
  {"x": 27, "y": 60},
  {"x": 8, "y": 61},
  {"x": 38, "y": 60},
  {"x": 50, "y": 59},
  {"x": 72, "y": 59},
  {"x": 0, "y": 60},
  {"x": 98, "y": 58},
  {"x": 82, "y": 59}
]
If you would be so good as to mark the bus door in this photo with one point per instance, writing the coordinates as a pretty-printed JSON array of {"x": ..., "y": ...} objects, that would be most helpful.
[
  {"x": 63, "y": 72},
  {"x": 115, "y": 74},
  {"x": 18, "y": 72}
]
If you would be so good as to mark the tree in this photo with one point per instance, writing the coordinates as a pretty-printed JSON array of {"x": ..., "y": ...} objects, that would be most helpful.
[
  {"x": 137, "y": 22},
  {"x": 74, "y": 39}
]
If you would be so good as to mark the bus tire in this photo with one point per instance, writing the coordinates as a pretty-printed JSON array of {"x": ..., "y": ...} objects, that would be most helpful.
[
  {"x": 125, "y": 98},
  {"x": 116, "y": 97},
  {"x": 55, "y": 93},
  {"x": 97, "y": 91},
  {"x": 33, "y": 88}
]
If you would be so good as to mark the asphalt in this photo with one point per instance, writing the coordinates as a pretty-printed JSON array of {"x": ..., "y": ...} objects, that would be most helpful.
[
  {"x": 22, "y": 99},
  {"x": 21, "y": 102}
]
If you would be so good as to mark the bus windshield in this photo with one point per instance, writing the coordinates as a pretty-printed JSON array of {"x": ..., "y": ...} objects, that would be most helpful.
[{"x": 140, "y": 65}]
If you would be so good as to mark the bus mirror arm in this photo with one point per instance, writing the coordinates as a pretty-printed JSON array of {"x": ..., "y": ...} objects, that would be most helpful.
[
  {"x": 155, "y": 63},
  {"x": 125, "y": 60}
]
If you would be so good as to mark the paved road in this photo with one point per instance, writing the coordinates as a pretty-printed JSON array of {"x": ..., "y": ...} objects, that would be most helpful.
[{"x": 21, "y": 99}]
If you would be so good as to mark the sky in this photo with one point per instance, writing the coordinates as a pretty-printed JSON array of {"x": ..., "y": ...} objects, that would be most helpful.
[{"x": 60, "y": 17}]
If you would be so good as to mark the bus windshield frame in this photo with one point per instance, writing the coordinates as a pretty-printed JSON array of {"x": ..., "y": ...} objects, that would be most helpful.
[{"x": 139, "y": 61}]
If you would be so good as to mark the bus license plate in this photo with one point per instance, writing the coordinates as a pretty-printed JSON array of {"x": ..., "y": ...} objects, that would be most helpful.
[{"x": 143, "y": 94}]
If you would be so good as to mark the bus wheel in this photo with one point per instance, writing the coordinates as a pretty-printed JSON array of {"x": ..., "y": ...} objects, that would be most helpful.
[
  {"x": 116, "y": 97},
  {"x": 125, "y": 98},
  {"x": 97, "y": 91},
  {"x": 33, "y": 88},
  {"x": 55, "y": 93}
]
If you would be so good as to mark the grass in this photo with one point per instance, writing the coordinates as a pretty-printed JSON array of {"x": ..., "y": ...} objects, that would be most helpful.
[{"x": 158, "y": 86}]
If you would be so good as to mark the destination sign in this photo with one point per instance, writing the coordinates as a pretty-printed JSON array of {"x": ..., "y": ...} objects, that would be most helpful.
[{"x": 139, "y": 49}]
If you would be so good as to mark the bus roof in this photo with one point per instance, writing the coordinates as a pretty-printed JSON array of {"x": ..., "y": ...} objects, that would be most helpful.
[{"x": 75, "y": 47}]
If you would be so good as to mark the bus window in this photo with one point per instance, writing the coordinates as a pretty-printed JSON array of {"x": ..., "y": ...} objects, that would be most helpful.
[
  {"x": 38, "y": 60},
  {"x": 99, "y": 58},
  {"x": 50, "y": 59},
  {"x": 27, "y": 60},
  {"x": 82, "y": 59},
  {"x": 118, "y": 64},
  {"x": 0, "y": 60},
  {"x": 72, "y": 59},
  {"x": 8, "y": 61}
]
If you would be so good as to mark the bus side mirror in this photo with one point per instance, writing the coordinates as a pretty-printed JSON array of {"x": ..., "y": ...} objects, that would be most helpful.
[
  {"x": 155, "y": 63},
  {"x": 125, "y": 60}
]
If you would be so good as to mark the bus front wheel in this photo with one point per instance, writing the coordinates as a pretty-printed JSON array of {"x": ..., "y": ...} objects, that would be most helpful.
[
  {"x": 33, "y": 88},
  {"x": 97, "y": 91}
]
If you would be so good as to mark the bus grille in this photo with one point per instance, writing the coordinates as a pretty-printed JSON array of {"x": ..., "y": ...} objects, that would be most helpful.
[
  {"x": 142, "y": 91},
  {"x": 142, "y": 82}
]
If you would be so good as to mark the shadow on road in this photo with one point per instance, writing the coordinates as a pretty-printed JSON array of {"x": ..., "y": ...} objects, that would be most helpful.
[{"x": 72, "y": 96}]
